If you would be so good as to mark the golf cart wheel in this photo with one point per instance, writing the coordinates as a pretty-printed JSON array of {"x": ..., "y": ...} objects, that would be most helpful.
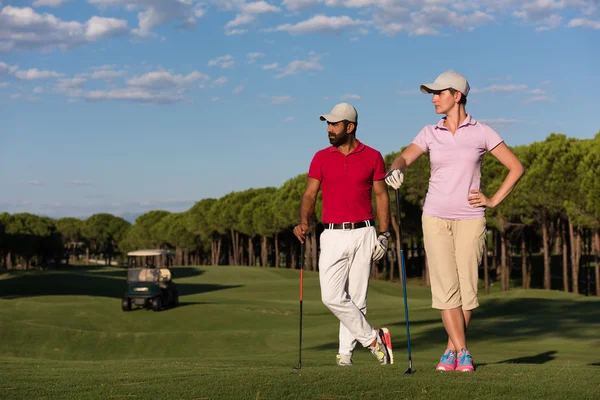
[
  {"x": 156, "y": 304},
  {"x": 126, "y": 304}
]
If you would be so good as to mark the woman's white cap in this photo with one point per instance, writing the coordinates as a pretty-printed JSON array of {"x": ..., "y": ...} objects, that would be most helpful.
[{"x": 447, "y": 80}]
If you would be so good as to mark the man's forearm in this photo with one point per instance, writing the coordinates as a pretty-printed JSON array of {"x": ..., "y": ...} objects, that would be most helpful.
[
  {"x": 383, "y": 211},
  {"x": 307, "y": 208}
]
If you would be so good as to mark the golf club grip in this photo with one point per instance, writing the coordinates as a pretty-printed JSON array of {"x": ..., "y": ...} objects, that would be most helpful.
[{"x": 398, "y": 211}]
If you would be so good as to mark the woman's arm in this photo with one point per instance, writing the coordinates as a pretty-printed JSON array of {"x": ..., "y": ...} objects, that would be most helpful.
[
  {"x": 515, "y": 171},
  {"x": 407, "y": 157}
]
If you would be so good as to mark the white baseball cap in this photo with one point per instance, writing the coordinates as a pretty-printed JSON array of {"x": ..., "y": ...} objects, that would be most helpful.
[
  {"x": 447, "y": 80},
  {"x": 341, "y": 112}
]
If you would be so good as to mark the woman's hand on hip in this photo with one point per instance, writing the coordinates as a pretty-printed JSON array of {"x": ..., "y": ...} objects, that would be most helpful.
[{"x": 478, "y": 199}]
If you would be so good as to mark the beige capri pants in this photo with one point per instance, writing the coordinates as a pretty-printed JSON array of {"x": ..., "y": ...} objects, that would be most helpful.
[{"x": 454, "y": 249}]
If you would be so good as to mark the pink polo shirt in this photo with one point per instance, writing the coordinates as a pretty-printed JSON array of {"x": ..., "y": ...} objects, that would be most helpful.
[
  {"x": 347, "y": 182},
  {"x": 455, "y": 166}
]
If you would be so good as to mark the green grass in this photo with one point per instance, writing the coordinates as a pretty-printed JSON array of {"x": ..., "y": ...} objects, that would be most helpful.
[{"x": 235, "y": 336}]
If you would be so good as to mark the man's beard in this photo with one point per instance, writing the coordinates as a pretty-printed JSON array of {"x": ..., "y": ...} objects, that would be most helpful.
[{"x": 339, "y": 139}]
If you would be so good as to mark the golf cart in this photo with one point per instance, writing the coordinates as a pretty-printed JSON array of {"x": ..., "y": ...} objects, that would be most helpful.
[{"x": 148, "y": 286}]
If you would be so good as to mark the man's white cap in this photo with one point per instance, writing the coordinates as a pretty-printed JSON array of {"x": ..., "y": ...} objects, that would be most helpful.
[
  {"x": 341, "y": 112},
  {"x": 447, "y": 80}
]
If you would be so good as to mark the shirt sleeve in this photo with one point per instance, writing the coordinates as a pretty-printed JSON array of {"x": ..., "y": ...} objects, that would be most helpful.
[
  {"x": 315, "y": 171},
  {"x": 492, "y": 139},
  {"x": 379, "y": 168},
  {"x": 421, "y": 140}
]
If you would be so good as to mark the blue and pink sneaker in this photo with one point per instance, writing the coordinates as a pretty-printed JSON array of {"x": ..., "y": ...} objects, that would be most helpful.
[
  {"x": 447, "y": 362},
  {"x": 465, "y": 362}
]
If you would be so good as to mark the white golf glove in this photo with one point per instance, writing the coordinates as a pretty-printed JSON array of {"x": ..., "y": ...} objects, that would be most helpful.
[
  {"x": 394, "y": 178},
  {"x": 381, "y": 246}
]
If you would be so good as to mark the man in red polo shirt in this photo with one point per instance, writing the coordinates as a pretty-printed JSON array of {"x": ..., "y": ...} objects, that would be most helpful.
[{"x": 348, "y": 172}]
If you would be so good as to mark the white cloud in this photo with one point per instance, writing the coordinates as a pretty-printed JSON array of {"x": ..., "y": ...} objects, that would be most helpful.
[
  {"x": 134, "y": 95},
  {"x": 49, "y": 3},
  {"x": 537, "y": 91},
  {"x": 349, "y": 97},
  {"x": 25, "y": 29},
  {"x": 35, "y": 182},
  {"x": 105, "y": 74},
  {"x": 240, "y": 19},
  {"x": 227, "y": 61},
  {"x": 233, "y": 32},
  {"x": 298, "y": 66},
  {"x": 320, "y": 24},
  {"x": 165, "y": 79},
  {"x": 300, "y": 5},
  {"x": 252, "y": 57},
  {"x": 247, "y": 15},
  {"x": 270, "y": 66},
  {"x": 281, "y": 99},
  {"x": 4, "y": 85},
  {"x": 289, "y": 119},
  {"x": 23, "y": 97},
  {"x": 34, "y": 73},
  {"x": 510, "y": 88},
  {"x": 78, "y": 182},
  {"x": 215, "y": 99},
  {"x": 238, "y": 89},
  {"x": 259, "y": 7},
  {"x": 71, "y": 86},
  {"x": 151, "y": 13},
  {"x": 584, "y": 23},
  {"x": 7, "y": 69},
  {"x": 220, "y": 81},
  {"x": 538, "y": 99}
]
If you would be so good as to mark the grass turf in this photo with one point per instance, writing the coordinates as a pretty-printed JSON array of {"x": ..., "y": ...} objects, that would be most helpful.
[{"x": 235, "y": 336}]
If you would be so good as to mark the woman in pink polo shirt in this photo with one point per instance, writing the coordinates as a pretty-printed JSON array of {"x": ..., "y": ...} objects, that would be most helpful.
[{"x": 454, "y": 228}]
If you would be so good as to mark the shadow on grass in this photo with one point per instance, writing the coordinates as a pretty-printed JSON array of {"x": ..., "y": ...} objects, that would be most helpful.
[
  {"x": 181, "y": 304},
  {"x": 595, "y": 364},
  {"x": 507, "y": 320},
  {"x": 79, "y": 283},
  {"x": 541, "y": 358}
]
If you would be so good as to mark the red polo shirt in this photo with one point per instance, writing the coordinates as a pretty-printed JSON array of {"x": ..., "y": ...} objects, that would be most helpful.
[{"x": 347, "y": 182}]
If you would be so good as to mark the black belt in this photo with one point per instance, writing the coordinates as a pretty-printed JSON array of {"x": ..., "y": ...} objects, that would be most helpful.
[{"x": 351, "y": 225}]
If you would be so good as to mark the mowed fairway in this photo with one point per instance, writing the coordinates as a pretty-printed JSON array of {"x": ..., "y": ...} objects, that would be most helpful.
[{"x": 235, "y": 336}]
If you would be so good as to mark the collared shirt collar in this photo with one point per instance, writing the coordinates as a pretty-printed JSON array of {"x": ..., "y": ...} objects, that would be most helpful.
[
  {"x": 468, "y": 121},
  {"x": 359, "y": 147}
]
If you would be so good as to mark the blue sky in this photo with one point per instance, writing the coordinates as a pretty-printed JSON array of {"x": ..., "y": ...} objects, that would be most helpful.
[{"x": 124, "y": 106}]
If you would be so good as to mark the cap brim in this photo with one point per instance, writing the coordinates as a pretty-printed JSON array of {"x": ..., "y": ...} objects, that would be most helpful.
[
  {"x": 330, "y": 118},
  {"x": 432, "y": 88}
]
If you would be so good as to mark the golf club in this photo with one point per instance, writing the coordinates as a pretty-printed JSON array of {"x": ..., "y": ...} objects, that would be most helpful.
[
  {"x": 302, "y": 246},
  {"x": 409, "y": 370}
]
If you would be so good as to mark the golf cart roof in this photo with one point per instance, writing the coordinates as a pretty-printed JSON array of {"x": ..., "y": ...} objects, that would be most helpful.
[{"x": 150, "y": 253}]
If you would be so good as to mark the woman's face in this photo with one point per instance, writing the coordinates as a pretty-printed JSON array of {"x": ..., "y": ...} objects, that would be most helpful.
[{"x": 444, "y": 101}]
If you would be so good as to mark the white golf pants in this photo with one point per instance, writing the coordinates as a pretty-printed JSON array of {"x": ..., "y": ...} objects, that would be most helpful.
[{"x": 344, "y": 272}]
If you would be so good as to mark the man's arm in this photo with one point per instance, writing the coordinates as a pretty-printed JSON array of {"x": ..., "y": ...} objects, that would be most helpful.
[
  {"x": 382, "y": 201},
  {"x": 307, "y": 207}
]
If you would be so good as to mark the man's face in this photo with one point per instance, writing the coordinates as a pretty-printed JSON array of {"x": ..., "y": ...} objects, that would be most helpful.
[{"x": 339, "y": 132}]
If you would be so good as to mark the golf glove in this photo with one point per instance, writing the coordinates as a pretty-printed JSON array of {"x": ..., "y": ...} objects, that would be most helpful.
[
  {"x": 394, "y": 178},
  {"x": 380, "y": 247}
]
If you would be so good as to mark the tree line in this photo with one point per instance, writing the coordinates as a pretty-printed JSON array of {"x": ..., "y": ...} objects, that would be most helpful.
[{"x": 553, "y": 215}]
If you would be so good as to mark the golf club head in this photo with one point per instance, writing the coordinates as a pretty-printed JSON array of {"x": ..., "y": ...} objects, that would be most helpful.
[
  {"x": 409, "y": 371},
  {"x": 298, "y": 367}
]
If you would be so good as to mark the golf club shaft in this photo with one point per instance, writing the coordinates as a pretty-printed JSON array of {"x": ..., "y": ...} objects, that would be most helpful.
[
  {"x": 302, "y": 247},
  {"x": 403, "y": 267}
]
